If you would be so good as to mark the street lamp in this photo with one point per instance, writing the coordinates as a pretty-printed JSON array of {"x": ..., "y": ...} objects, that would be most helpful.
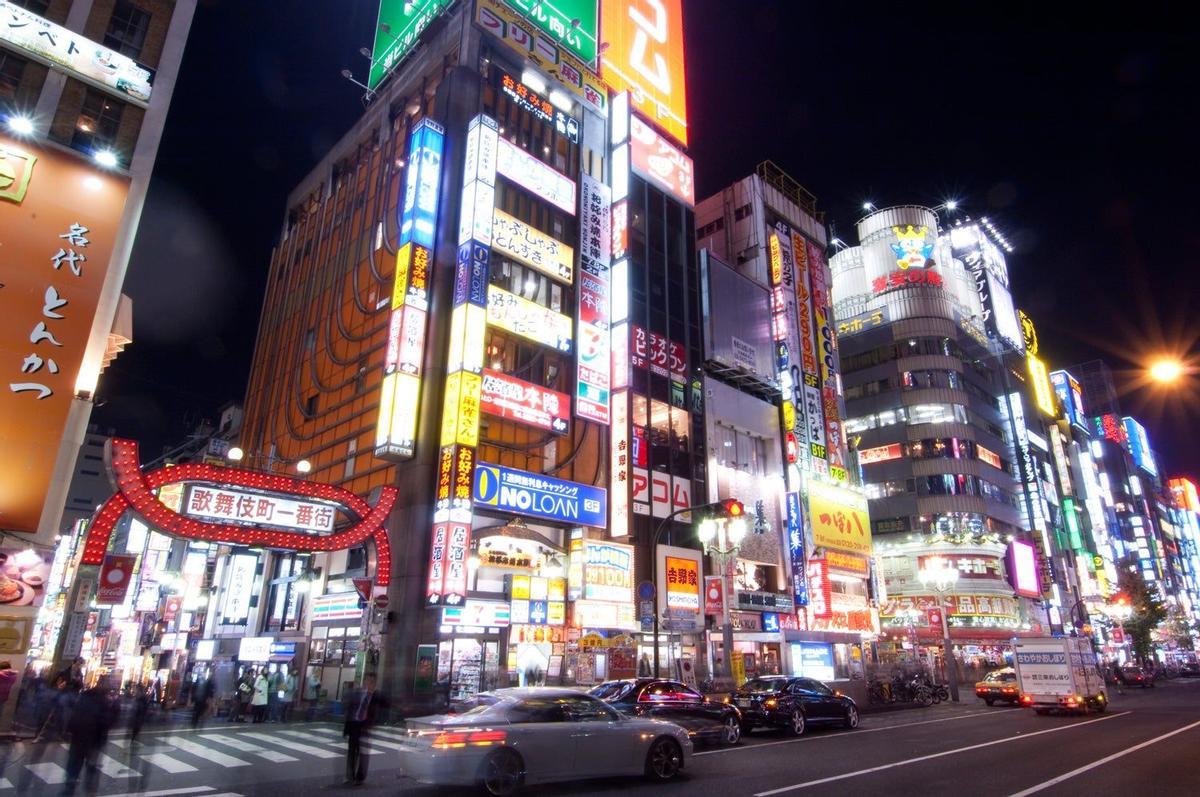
[
  {"x": 1121, "y": 610},
  {"x": 722, "y": 536},
  {"x": 941, "y": 578},
  {"x": 1166, "y": 370}
]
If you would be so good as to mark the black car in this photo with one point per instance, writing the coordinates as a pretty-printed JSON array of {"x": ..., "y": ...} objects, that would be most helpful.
[
  {"x": 1133, "y": 675},
  {"x": 657, "y": 698},
  {"x": 792, "y": 703}
]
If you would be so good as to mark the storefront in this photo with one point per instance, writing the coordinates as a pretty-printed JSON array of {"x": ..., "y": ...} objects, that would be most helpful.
[
  {"x": 601, "y": 644},
  {"x": 468, "y": 656},
  {"x": 680, "y": 605},
  {"x": 333, "y": 646}
]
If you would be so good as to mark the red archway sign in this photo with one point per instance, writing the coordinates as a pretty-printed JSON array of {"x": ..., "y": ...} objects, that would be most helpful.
[{"x": 135, "y": 491}]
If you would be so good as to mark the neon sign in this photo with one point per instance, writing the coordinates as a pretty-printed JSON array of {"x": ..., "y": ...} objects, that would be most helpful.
[
  {"x": 531, "y": 174},
  {"x": 514, "y": 399}
]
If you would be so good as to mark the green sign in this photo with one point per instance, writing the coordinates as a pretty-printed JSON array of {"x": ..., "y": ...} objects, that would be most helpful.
[
  {"x": 406, "y": 22},
  {"x": 570, "y": 23}
]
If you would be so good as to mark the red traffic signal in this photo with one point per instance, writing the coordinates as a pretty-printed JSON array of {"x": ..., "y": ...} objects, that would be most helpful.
[{"x": 731, "y": 507}]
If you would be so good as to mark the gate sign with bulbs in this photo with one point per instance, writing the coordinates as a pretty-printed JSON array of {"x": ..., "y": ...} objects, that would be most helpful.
[{"x": 255, "y": 508}]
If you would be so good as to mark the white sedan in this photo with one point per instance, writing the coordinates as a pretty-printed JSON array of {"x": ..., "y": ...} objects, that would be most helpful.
[{"x": 539, "y": 735}]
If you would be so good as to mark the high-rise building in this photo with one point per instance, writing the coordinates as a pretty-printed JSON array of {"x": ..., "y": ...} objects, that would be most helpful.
[
  {"x": 483, "y": 296},
  {"x": 1099, "y": 387}
]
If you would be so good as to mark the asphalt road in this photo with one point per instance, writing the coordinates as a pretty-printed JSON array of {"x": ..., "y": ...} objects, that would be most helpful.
[{"x": 1146, "y": 742}]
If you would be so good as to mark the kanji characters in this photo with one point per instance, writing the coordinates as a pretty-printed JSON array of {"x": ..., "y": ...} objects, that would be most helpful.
[
  {"x": 73, "y": 259},
  {"x": 76, "y": 235},
  {"x": 52, "y": 302}
]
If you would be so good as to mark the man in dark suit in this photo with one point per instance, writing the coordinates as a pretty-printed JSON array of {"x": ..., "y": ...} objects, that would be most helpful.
[{"x": 362, "y": 709}]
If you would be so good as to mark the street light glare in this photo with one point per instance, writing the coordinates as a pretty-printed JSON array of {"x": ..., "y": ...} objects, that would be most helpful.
[
  {"x": 1166, "y": 370},
  {"x": 235, "y": 454},
  {"x": 952, "y": 205},
  {"x": 21, "y": 125}
]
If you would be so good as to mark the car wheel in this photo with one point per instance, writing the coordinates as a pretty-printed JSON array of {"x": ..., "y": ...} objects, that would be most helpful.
[
  {"x": 851, "y": 720},
  {"x": 664, "y": 760},
  {"x": 731, "y": 732},
  {"x": 796, "y": 723},
  {"x": 990, "y": 702},
  {"x": 502, "y": 773}
]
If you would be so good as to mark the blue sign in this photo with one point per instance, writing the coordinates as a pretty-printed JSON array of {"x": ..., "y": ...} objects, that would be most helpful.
[
  {"x": 1069, "y": 393},
  {"x": 422, "y": 184},
  {"x": 815, "y": 660},
  {"x": 283, "y": 648},
  {"x": 770, "y": 621},
  {"x": 511, "y": 490},
  {"x": 795, "y": 529},
  {"x": 1139, "y": 446}
]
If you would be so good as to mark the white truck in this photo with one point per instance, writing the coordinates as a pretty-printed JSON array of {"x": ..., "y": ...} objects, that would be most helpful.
[{"x": 1059, "y": 674}]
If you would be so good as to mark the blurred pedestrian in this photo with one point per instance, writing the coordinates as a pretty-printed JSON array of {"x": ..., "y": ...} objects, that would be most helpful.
[
  {"x": 361, "y": 710},
  {"x": 260, "y": 700},
  {"x": 201, "y": 697},
  {"x": 287, "y": 695},
  {"x": 141, "y": 707},
  {"x": 93, "y": 716},
  {"x": 274, "y": 687}
]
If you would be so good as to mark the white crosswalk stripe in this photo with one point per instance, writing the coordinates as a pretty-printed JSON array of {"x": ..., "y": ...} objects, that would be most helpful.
[
  {"x": 166, "y": 762},
  {"x": 169, "y": 792},
  {"x": 242, "y": 746},
  {"x": 372, "y": 738},
  {"x": 207, "y": 753},
  {"x": 307, "y": 735},
  {"x": 114, "y": 768},
  {"x": 294, "y": 746},
  {"x": 48, "y": 772},
  {"x": 5, "y": 783}
]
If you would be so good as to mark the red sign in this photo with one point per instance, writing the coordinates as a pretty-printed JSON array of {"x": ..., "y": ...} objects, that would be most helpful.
[
  {"x": 115, "y": 575},
  {"x": 901, "y": 279},
  {"x": 836, "y": 560},
  {"x": 1113, "y": 429},
  {"x": 886, "y": 453},
  {"x": 381, "y": 601},
  {"x": 1118, "y": 635},
  {"x": 508, "y": 397},
  {"x": 363, "y": 585},
  {"x": 661, "y": 163},
  {"x": 714, "y": 596},
  {"x": 645, "y": 57},
  {"x": 171, "y": 608},
  {"x": 661, "y": 355},
  {"x": 820, "y": 590},
  {"x": 935, "y": 618}
]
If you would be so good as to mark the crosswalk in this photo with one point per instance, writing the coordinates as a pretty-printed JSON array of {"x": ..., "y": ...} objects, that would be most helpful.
[{"x": 186, "y": 752}]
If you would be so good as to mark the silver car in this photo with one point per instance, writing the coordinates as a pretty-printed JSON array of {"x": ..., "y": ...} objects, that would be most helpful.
[{"x": 539, "y": 735}]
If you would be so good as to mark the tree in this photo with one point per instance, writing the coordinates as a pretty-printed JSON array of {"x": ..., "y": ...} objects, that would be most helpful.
[{"x": 1148, "y": 612}]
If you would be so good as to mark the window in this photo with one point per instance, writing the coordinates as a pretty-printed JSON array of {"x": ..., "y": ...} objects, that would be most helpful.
[
  {"x": 585, "y": 708},
  {"x": 539, "y": 709},
  {"x": 98, "y": 123},
  {"x": 12, "y": 69},
  {"x": 285, "y": 602},
  {"x": 127, "y": 29},
  {"x": 310, "y": 405},
  {"x": 36, "y": 6}
]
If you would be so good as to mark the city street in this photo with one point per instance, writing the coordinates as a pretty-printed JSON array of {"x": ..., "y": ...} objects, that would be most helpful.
[{"x": 1148, "y": 736}]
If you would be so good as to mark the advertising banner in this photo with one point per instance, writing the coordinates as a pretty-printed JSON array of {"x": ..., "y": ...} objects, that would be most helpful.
[
  {"x": 515, "y": 399},
  {"x": 608, "y": 572},
  {"x": 594, "y": 368},
  {"x": 115, "y": 575},
  {"x": 661, "y": 355},
  {"x": 534, "y": 600},
  {"x": 682, "y": 585},
  {"x": 532, "y": 247},
  {"x": 534, "y": 495},
  {"x": 839, "y": 518},
  {"x": 58, "y": 220},
  {"x": 340, "y": 606},
  {"x": 657, "y": 160},
  {"x": 714, "y": 595},
  {"x": 619, "y": 460},
  {"x": 23, "y": 576},
  {"x": 1021, "y": 565},
  {"x": 406, "y": 21},
  {"x": 528, "y": 319},
  {"x": 859, "y": 565},
  {"x": 239, "y": 588},
  {"x": 54, "y": 44},
  {"x": 645, "y": 58},
  {"x": 796, "y": 558},
  {"x": 535, "y": 176},
  {"x": 869, "y": 456},
  {"x": 820, "y": 591}
]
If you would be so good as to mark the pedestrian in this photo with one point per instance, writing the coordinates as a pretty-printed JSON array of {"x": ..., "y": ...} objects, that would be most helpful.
[
  {"x": 312, "y": 693},
  {"x": 242, "y": 692},
  {"x": 274, "y": 687},
  {"x": 259, "y": 701},
  {"x": 93, "y": 716},
  {"x": 201, "y": 697},
  {"x": 361, "y": 710},
  {"x": 644, "y": 666},
  {"x": 141, "y": 707},
  {"x": 287, "y": 696}
]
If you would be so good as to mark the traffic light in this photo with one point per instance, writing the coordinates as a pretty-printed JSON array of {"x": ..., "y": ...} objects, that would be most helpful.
[{"x": 733, "y": 508}]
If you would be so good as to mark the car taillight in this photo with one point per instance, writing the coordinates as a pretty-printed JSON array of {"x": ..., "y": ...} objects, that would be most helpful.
[
  {"x": 1027, "y": 700},
  {"x": 770, "y": 702},
  {"x": 450, "y": 740},
  {"x": 1008, "y": 691}
]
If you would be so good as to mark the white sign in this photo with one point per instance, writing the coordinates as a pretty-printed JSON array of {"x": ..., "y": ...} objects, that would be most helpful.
[
  {"x": 339, "y": 606},
  {"x": 254, "y": 648},
  {"x": 239, "y": 588},
  {"x": 206, "y": 649},
  {"x": 223, "y": 504},
  {"x": 528, "y": 319},
  {"x": 477, "y": 614},
  {"x": 518, "y": 240},
  {"x": 46, "y": 41},
  {"x": 530, "y": 173}
]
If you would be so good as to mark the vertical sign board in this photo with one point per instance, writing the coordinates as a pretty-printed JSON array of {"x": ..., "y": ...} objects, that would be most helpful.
[
  {"x": 58, "y": 221},
  {"x": 619, "y": 463},
  {"x": 645, "y": 58},
  {"x": 396, "y": 431},
  {"x": 795, "y": 529},
  {"x": 814, "y": 402},
  {"x": 453, "y": 504},
  {"x": 827, "y": 357},
  {"x": 802, "y": 420},
  {"x": 594, "y": 361}
]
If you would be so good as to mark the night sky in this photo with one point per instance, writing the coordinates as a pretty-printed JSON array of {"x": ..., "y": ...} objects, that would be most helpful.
[{"x": 1078, "y": 142}]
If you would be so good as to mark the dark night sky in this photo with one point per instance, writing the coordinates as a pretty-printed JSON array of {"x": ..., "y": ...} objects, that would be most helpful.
[{"x": 1078, "y": 141}]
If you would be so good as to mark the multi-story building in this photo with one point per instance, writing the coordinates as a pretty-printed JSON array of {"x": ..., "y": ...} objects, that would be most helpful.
[
  {"x": 801, "y": 593},
  {"x": 484, "y": 296},
  {"x": 84, "y": 90}
]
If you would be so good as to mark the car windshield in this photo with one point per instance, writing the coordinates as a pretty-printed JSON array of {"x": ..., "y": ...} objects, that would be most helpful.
[
  {"x": 612, "y": 690},
  {"x": 761, "y": 685},
  {"x": 1000, "y": 675}
]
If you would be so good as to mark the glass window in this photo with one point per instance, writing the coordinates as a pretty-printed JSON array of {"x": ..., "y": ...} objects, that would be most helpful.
[
  {"x": 36, "y": 6},
  {"x": 534, "y": 709},
  {"x": 12, "y": 69},
  {"x": 127, "y": 29},
  {"x": 613, "y": 690},
  {"x": 584, "y": 708},
  {"x": 98, "y": 123}
]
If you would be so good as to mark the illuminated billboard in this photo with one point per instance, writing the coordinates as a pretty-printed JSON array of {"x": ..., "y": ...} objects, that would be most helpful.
[
  {"x": 514, "y": 399},
  {"x": 607, "y": 571},
  {"x": 1022, "y": 567},
  {"x": 1070, "y": 393},
  {"x": 406, "y": 20},
  {"x": 1139, "y": 446},
  {"x": 574, "y": 24},
  {"x": 534, "y": 176},
  {"x": 619, "y": 461},
  {"x": 528, "y": 319},
  {"x": 661, "y": 162},
  {"x": 526, "y": 245},
  {"x": 594, "y": 368},
  {"x": 869, "y": 456},
  {"x": 1043, "y": 393},
  {"x": 839, "y": 518},
  {"x": 422, "y": 183},
  {"x": 535, "y": 495},
  {"x": 645, "y": 57},
  {"x": 1004, "y": 322}
]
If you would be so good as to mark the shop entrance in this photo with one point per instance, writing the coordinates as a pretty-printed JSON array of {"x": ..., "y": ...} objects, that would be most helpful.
[{"x": 470, "y": 664}]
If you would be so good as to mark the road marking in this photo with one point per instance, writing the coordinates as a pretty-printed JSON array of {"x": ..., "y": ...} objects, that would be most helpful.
[
  {"x": 5, "y": 783},
  {"x": 372, "y": 738},
  {"x": 365, "y": 747},
  {"x": 50, "y": 773},
  {"x": 852, "y": 733},
  {"x": 114, "y": 768},
  {"x": 207, "y": 753},
  {"x": 243, "y": 746},
  {"x": 172, "y": 765},
  {"x": 1067, "y": 776},
  {"x": 166, "y": 792},
  {"x": 295, "y": 746},
  {"x": 932, "y": 756}
]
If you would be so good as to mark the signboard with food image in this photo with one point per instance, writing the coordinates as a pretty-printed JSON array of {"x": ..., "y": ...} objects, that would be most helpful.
[{"x": 23, "y": 576}]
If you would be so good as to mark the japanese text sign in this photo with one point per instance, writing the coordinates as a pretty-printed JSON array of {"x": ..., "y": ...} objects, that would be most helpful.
[
  {"x": 531, "y": 174},
  {"x": 512, "y": 490},
  {"x": 645, "y": 57},
  {"x": 682, "y": 583},
  {"x": 839, "y": 518},
  {"x": 661, "y": 163},
  {"x": 533, "y": 248},
  {"x": 406, "y": 21},
  {"x": 528, "y": 319},
  {"x": 574, "y": 24},
  {"x": 267, "y": 510},
  {"x": 508, "y": 397},
  {"x": 607, "y": 571}
]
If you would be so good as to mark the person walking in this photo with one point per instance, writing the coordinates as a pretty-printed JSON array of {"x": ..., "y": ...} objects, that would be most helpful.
[
  {"x": 287, "y": 695},
  {"x": 242, "y": 691},
  {"x": 274, "y": 687},
  {"x": 141, "y": 707},
  {"x": 361, "y": 710},
  {"x": 94, "y": 714},
  {"x": 260, "y": 701},
  {"x": 201, "y": 697}
]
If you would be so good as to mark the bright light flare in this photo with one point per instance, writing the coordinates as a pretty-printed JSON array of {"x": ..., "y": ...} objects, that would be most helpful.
[{"x": 1166, "y": 371}]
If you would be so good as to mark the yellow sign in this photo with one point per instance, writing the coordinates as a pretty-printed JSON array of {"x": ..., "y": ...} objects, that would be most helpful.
[
  {"x": 450, "y": 409},
  {"x": 683, "y": 583},
  {"x": 528, "y": 319},
  {"x": 738, "y": 667},
  {"x": 470, "y": 387},
  {"x": 789, "y": 415},
  {"x": 400, "y": 284},
  {"x": 518, "y": 240},
  {"x": 1043, "y": 393},
  {"x": 839, "y": 518},
  {"x": 520, "y": 588},
  {"x": 16, "y": 170}
]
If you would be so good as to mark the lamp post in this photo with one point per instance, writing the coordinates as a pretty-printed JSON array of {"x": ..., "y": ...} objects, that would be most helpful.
[
  {"x": 940, "y": 578},
  {"x": 722, "y": 538},
  {"x": 1121, "y": 610}
]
